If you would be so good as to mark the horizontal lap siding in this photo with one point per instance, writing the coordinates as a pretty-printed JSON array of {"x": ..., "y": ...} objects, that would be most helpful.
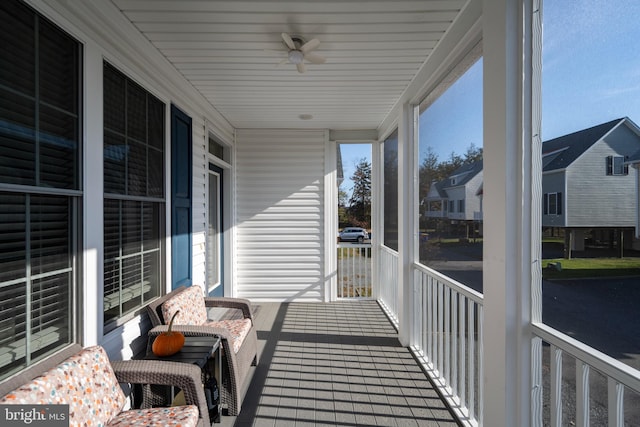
[
  {"x": 280, "y": 214},
  {"x": 199, "y": 204}
]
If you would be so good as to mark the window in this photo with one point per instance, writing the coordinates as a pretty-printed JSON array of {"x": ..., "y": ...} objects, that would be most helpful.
[
  {"x": 40, "y": 192},
  {"x": 452, "y": 206},
  {"x": 461, "y": 206},
  {"x": 134, "y": 205},
  {"x": 391, "y": 191},
  {"x": 217, "y": 149},
  {"x": 616, "y": 166},
  {"x": 552, "y": 204}
]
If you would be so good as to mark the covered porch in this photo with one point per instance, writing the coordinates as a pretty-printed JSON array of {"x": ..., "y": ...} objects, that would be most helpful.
[{"x": 152, "y": 144}]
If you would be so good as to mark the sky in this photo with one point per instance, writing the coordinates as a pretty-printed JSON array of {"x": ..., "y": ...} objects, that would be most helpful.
[{"x": 591, "y": 75}]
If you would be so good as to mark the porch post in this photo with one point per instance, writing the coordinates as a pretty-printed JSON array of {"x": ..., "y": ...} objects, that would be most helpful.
[
  {"x": 330, "y": 219},
  {"x": 508, "y": 203},
  {"x": 406, "y": 220}
]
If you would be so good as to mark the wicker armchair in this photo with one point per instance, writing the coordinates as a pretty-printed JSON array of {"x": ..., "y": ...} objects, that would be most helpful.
[
  {"x": 88, "y": 382},
  {"x": 238, "y": 337}
]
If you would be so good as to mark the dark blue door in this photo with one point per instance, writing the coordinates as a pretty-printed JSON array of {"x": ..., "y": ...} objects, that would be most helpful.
[{"x": 180, "y": 198}]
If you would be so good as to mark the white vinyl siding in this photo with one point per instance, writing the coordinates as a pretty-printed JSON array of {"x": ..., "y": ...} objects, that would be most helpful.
[
  {"x": 199, "y": 203},
  {"x": 280, "y": 214},
  {"x": 595, "y": 199}
]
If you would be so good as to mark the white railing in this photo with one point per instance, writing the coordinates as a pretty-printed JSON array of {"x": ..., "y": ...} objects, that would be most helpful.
[
  {"x": 447, "y": 339},
  {"x": 354, "y": 270},
  {"x": 616, "y": 377},
  {"x": 573, "y": 384},
  {"x": 388, "y": 283}
]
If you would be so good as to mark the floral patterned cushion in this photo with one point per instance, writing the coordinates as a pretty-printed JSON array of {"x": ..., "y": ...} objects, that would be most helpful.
[
  {"x": 176, "y": 416},
  {"x": 190, "y": 302},
  {"x": 84, "y": 381},
  {"x": 238, "y": 328}
]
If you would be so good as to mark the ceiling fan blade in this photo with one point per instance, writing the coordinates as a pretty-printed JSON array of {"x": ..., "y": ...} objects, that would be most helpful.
[
  {"x": 301, "y": 68},
  {"x": 310, "y": 45},
  {"x": 284, "y": 61},
  {"x": 288, "y": 41},
  {"x": 314, "y": 58}
]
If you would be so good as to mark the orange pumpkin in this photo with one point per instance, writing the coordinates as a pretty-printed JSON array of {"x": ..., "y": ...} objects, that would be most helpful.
[{"x": 169, "y": 342}]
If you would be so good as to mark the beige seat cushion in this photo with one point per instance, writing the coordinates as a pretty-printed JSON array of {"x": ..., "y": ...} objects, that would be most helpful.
[
  {"x": 238, "y": 329},
  {"x": 85, "y": 381},
  {"x": 190, "y": 303},
  {"x": 175, "y": 416}
]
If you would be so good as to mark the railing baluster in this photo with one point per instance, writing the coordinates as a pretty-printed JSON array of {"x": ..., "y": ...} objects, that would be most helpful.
[
  {"x": 454, "y": 344},
  {"x": 440, "y": 328},
  {"x": 472, "y": 360},
  {"x": 446, "y": 334},
  {"x": 555, "y": 392},
  {"x": 582, "y": 394},
  {"x": 616, "y": 403},
  {"x": 463, "y": 341},
  {"x": 480, "y": 311}
]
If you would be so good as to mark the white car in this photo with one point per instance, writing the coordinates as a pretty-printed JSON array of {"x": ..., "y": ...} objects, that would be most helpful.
[{"x": 353, "y": 234}]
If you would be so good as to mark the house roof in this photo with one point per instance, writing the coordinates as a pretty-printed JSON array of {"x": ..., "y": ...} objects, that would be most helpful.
[
  {"x": 465, "y": 173},
  {"x": 558, "y": 153}
]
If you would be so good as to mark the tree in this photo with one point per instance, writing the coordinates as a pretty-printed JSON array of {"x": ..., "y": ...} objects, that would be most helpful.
[
  {"x": 342, "y": 206},
  {"x": 360, "y": 202}
]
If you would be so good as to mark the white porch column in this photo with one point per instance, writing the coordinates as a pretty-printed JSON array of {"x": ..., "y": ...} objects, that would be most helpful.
[
  {"x": 509, "y": 205},
  {"x": 406, "y": 219},
  {"x": 93, "y": 212}
]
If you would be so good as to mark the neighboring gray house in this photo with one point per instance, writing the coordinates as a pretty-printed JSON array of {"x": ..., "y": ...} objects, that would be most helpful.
[
  {"x": 459, "y": 196},
  {"x": 586, "y": 182}
]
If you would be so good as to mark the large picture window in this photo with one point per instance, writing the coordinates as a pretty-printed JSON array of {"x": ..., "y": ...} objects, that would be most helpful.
[
  {"x": 134, "y": 138},
  {"x": 40, "y": 191}
]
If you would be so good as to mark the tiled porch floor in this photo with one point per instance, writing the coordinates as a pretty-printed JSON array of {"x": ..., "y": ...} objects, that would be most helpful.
[{"x": 335, "y": 364}]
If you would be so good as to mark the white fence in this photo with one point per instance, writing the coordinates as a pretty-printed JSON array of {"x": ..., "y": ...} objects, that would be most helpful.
[
  {"x": 573, "y": 384},
  {"x": 447, "y": 338},
  {"x": 354, "y": 270},
  {"x": 594, "y": 383},
  {"x": 388, "y": 282}
]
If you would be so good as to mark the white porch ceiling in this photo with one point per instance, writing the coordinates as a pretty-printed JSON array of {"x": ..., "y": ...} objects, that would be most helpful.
[{"x": 230, "y": 50}]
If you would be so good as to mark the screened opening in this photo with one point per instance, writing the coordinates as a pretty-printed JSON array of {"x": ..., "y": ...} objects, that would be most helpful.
[
  {"x": 590, "y": 252},
  {"x": 450, "y": 172}
]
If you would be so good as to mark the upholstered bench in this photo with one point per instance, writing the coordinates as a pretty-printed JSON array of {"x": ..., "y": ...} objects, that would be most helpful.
[
  {"x": 238, "y": 336},
  {"x": 89, "y": 383}
]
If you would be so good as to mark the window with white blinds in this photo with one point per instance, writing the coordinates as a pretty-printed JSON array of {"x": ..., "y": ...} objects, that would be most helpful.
[
  {"x": 40, "y": 186},
  {"x": 134, "y": 196}
]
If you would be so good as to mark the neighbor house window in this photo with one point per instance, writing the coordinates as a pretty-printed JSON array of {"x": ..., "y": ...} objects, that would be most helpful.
[
  {"x": 460, "y": 205},
  {"x": 552, "y": 204},
  {"x": 452, "y": 206},
  {"x": 40, "y": 186},
  {"x": 616, "y": 166},
  {"x": 134, "y": 204}
]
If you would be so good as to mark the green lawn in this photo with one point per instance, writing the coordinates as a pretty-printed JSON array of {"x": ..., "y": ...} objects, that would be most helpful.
[{"x": 591, "y": 267}]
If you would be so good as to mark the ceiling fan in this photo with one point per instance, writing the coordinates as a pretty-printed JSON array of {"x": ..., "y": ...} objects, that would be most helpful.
[{"x": 301, "y": 51}]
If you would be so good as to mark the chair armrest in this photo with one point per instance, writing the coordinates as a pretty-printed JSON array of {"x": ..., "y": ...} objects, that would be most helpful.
[
  {"x": 183, "y": 375},
  {"x": 239, "y": 303}
]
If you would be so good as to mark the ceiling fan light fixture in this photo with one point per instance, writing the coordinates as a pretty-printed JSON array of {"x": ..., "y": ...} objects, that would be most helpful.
[{"x": 296, "y": 57}]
